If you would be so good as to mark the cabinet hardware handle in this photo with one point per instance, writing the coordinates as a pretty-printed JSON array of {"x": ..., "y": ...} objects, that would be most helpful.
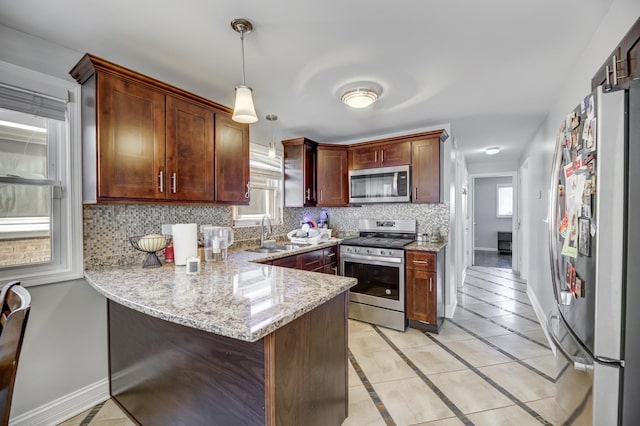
[
  {"x": 246, "y": 194},
  {"x": 430, "y": 284},
  {"x": 335, "y": 270},
  {"x": 420, "y": 261},
  {"x": 161, "y": 179},
  {"x": 615, "y": 63},
  {"x": 416, "y": 192},
  {"x": 331, "y": 254},
  {"x": 321, "y": 195},
  {"x": 174, "y": 182},
  {"x": 607, "y": 72},
  {"x": 382, "y": 155},
  {"x": 308, "y": 193},
  {"x": 375, "y": 156}
]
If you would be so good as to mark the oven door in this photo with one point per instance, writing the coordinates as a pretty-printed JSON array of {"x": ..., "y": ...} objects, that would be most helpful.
[{"x": 380, "y": 280}]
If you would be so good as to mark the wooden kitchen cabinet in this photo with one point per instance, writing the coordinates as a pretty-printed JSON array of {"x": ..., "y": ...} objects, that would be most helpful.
[
  {"x": 333, "y": 176},
  {"x": 331, "y": 260},
  {"x": 370, "y": 155},
  {"x": 321, "y": 260},
  {"x": 300, "y": 172},
  {"x": 146, "y": 141},
  {"x": 623, "y": 64},
  {"x": 232, "y": 172},
  {"x": 425, "y": 170},
  {"x": 189, "y": 145},
  {"x": 425, "y": 293}
]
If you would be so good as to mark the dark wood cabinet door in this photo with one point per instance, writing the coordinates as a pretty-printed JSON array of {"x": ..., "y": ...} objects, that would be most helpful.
[
  {"x": 131, "y": 143},
  {"x": 421, "y": 295},
  {"x": 333, "y": 177},
  {"x": 623, "y": 63},
  {"x": 312, "y": 261},
  {"x": 397, "y": 154},
  {"x": 300, "y": 172},
  {"x": 310, "y": 174},
  {"x": 365, "y": 158},
  {"x": 287, "y": 262},
  {"x": 425, "y": 171},
  {"x": 190, "y": 175},
  {"x": 232, "y": 160}
]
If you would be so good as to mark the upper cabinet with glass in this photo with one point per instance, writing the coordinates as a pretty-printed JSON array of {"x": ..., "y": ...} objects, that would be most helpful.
[{"x": 147, "y": 141}]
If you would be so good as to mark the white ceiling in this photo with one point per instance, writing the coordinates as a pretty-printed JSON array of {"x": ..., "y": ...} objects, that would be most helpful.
[{"x": 490, "y": 69}]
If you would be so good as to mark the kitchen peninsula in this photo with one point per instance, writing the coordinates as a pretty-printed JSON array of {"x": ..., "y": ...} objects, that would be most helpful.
[{"x": 239, "y": 343}]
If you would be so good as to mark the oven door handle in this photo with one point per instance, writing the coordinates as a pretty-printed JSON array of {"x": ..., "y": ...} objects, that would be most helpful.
[{"x": 381, "y": 260}]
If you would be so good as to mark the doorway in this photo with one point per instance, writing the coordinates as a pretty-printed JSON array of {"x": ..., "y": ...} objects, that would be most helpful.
[{"x": 494, "y": 230}]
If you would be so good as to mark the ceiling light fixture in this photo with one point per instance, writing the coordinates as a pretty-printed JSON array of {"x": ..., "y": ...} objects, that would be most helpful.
[
  {"x": 360, "y": 97},
  {"x": 492, "y": 151},
  {"x": 243, "y": 109},
  {"x": 272, "y": 145}
]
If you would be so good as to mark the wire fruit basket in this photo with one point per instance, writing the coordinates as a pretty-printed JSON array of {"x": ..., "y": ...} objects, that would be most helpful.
[{"x": 150, "y": 244}]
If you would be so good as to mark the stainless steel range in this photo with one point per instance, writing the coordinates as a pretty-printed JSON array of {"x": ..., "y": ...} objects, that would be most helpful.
[{"x": 376, "y": 259}]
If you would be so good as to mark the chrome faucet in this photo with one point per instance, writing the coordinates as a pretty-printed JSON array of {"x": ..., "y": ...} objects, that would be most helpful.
[{"x": 263, "y": 234}]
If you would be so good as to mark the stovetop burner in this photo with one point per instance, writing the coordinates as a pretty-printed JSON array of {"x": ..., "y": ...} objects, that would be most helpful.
[{"x": 381, "y": 242}]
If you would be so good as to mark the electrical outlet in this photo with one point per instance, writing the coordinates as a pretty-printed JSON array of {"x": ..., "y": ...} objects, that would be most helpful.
[{"x": 167, "y": 230}]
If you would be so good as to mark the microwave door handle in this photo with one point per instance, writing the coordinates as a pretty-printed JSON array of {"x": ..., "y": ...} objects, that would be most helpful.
[{"x": 395, "y": 184}]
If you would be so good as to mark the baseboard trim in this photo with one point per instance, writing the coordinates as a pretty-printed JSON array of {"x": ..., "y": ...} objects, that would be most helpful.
[
  {"x": 495, "y": 250},
  {"x": 542, "y": 317},
  {"x": 63, "y": 408}
]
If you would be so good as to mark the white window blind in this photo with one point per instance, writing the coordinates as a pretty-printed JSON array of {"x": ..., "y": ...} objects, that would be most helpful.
[
  {"x": 265, "y": 189},
  {"x": 18, "y": 99},
  {"x": 504, "y": 200}
]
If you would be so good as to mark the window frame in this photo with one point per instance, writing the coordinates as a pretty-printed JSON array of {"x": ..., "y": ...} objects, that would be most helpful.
[
  {"x": 499, "y": 186},
  {"x": 240, "y": 221},
  {"x": 66, "y": 225}
]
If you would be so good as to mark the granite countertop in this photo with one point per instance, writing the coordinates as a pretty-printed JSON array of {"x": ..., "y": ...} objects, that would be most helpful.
[
  {"x": 237, "y": 298},
  {"x": 426, "y": 246}
]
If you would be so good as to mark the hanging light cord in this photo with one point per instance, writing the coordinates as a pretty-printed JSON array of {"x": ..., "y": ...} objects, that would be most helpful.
[{"x": 242, "y": 43}]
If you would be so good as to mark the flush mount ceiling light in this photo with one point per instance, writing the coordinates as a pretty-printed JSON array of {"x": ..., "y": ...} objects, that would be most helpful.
[
  {"x": 243, "y": 109},
  {"x": 492, "y": 151},
  {"x": 272, "y": 145},
  {"x": 360, "y": 97}
]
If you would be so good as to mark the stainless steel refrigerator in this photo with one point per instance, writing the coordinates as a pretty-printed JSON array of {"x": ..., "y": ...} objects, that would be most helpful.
[{"x": 594, "y": 224}]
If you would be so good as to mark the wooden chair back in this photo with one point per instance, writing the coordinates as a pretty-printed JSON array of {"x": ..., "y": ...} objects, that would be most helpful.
[{"x": 16, "y": 303}]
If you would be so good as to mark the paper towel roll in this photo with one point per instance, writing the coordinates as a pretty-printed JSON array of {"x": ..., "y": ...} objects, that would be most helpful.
[{"x": 185, "y": 242}]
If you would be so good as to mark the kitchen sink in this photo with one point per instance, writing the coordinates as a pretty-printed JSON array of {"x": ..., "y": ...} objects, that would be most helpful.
[{"x": 276, "y": 249}]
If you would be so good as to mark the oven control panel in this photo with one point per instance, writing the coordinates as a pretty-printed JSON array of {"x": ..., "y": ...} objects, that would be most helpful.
[{"x": 372, "y": 251}]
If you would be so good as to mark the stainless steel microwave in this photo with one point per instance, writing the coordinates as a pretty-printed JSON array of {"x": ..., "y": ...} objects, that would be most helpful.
[{"x": 381, "y": 185}]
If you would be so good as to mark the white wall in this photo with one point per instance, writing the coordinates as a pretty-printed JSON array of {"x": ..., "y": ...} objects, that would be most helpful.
[
  {"x": 65, "y": 342},
  {"x": 621, "y": 15},
  {"x": 486, "y": 223}
]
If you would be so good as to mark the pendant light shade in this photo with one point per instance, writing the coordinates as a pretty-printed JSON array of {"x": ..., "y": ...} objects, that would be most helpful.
[{"x": 243, "y": 110}]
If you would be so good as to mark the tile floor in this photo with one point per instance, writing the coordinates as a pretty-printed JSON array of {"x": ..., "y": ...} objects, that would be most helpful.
[
  {"x": 490, "y": 365},
  {"x": 492, "y": 259}
]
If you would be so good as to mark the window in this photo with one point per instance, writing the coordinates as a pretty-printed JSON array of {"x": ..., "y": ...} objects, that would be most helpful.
[
  {"x": 265, "y": 189},
  {"x": 504, "y": 200},
  {"x": 40, "y": 209}
]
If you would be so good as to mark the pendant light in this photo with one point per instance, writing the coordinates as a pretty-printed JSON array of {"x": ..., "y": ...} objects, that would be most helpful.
[
  {"x": 272, "y": 144},
  {"x": 243, "y": 109}
]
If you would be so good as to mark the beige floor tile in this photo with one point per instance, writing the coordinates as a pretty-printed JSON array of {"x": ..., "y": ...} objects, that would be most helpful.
[
  {"x": 483, "y": 328},
  {"x": 486, "y": 310},
  {"x": 517, "y": 323},
  {"x": 463, "y": 313},
  {"x": 548, "y": 409},
  {"x": 433, "y": 359},
  {"x": 452, "y": 421},
  {"x": 477, "y": 353},
  {"x": 520, "y": 381},
  {"x": 451, "y": 333},
  {"x": 411, "y": 401},
  {"x": 507, "y": 416},
  {"x": 408, "y": 339},
  {"x": 113, "y": 422},
  {"x": 111, "y": 414},
  {"x": 77, "y": 419},
  {"x": 538, "y": 335},
  {"x": 362, "y": 410},
  {"x": 469, "y": 392},
  {"x": 382, "y": 366},
  {"x": 353, "y": 378},
  {"x": 358, "y": 326},
  {"x": 545, "y": 364},
  {"x": 366, "y": 342},
  {"x": 518, "y": 346}
]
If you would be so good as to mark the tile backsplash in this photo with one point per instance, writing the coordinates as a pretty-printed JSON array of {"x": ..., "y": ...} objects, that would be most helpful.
[{"x": 107, "y": 227}]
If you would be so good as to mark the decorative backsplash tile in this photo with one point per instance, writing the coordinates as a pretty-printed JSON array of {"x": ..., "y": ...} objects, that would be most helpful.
[{"x": 107, "y": 228}]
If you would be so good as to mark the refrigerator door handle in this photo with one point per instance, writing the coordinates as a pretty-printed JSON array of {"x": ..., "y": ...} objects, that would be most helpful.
[
  {"x": 579, "y": 363},
  {"x": 552, "y": 223}
]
